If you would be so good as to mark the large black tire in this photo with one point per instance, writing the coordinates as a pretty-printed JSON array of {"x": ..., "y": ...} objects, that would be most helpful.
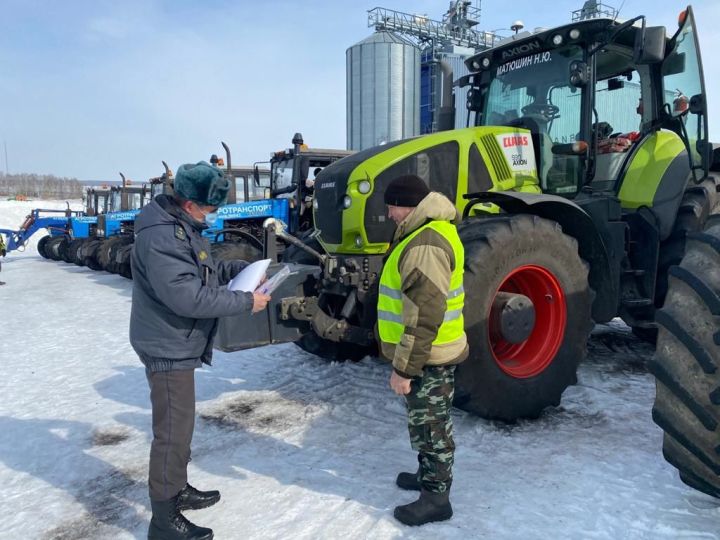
[
  {"x": 90, "y": 253},
  {"x": 698, "y": 203},
  {"x": 70, "y": 249},
  {"x": 56, "y": 247},
  {"x": 686, "y": 364},
  {"x": 232, "y": 251},
  {"x": 108, "y": 249},
  {"x": 41, "y": 246},
  {"x": 73, "y": 251},
  {"x": 529, "y": 255},
  {"x": 123, "y": 257},
  {"x": 311, "y": 342}
]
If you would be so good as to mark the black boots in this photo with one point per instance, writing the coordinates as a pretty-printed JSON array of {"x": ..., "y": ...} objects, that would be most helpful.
[
  {"x": 168, "y": 523},
  {"x": 409, "y": 481},
  {"x": 193, "y": 499},
  {"x": 428, "y": 508}
]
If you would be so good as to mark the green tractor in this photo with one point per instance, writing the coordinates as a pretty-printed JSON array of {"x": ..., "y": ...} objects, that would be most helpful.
[{"x": 585, "y": 192}]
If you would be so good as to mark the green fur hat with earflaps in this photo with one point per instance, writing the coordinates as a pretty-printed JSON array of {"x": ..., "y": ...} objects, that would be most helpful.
[{"x": 202, "y": 183}]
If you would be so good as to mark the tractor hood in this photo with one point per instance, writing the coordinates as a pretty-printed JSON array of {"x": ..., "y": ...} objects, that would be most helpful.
[{"x": 349, "y": 205}]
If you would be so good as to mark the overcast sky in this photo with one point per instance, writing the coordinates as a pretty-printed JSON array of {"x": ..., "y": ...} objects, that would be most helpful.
[{"x": 91, "y": 88}]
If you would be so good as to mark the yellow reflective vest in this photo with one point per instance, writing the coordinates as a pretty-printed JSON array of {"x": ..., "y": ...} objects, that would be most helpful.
[{"x": 390, "y": 321}]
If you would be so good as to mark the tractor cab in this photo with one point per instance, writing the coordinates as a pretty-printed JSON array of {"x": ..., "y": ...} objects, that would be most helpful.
[
  {"x": 96, "y": 200},
  {"x": 604, "y": 102},
  {"x": 127, "y": 196},
  {"x": 293, "y": 172},
  {"x": 159, "y": 185}
]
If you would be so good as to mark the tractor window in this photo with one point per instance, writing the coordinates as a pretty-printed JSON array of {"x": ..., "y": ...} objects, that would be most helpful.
[
  {"x": 115, "y": 202},
  {"x": 135, "y": 201},
  {"x": 478, "y": 175},
  {"x": 682, "y": 79},
  {"x": 617, "y": 101}
]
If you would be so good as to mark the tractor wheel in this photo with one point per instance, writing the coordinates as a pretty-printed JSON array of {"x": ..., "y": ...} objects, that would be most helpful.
[
  {"x": 232, "y": 251},
  {"x": 53, "y": 247},
  {"x": 311, "y": 342},
  {"x": 107, "y": 251},
  {"x": 73, "y": 251},
  {"x": 122, "y": 259},
  {"x": 698, "y": 202},
  {"x": 90, "y": 250},
  {"x": 70, "y": 249},
  {"x": 518, "y": 366},
  {"x": 42, "y": 244},
  {"x": 686, "y": 364}
]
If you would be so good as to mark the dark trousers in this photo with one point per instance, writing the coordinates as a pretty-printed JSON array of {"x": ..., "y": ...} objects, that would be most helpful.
[
  {"x": 430, "y": 426},
  {"x": 172, "y": 394}
]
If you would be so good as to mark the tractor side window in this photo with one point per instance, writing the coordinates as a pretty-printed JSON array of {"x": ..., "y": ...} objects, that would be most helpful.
[
  {"x": 135, "y": 201},
  {"x": 240, "y": 188},
  {"x": 478, "y": 174},
  {"x": 618, "y": 105},
  {"x": 682, "y": 79}
]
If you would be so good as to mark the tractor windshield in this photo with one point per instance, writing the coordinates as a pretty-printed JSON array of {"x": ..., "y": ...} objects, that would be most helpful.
[
  {"x": 534, "y": 92},
  {"x": 281, "y": 176}
]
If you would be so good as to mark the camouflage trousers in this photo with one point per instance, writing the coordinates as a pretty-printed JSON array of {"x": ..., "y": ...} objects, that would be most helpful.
[{"x": 430, "y": 426}]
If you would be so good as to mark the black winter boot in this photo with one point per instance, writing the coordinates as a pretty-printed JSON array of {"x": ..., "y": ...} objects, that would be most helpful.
[
  {"x": 194, "y": 499},
  {"x": 428, "y": 508},
  {"x": 168, "y": 523},
  {"x": 409, "y": 481}
]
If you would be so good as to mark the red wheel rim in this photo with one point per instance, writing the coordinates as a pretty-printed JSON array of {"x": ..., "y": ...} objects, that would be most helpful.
[{"x": 534, "y": 355}]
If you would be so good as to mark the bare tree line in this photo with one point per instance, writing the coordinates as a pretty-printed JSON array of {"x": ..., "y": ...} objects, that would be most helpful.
[{"x": 39, "y": 186}]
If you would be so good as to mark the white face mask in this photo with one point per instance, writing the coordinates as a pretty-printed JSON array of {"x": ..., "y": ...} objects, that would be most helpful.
[{"x": 211, "y": 218}]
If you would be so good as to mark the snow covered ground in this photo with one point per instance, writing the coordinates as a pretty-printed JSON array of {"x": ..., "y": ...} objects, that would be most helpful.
[{"x": 302, "y": 448}]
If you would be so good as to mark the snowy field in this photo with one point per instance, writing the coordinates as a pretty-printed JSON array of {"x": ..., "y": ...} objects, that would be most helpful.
[{"x": 302, "y": 448}]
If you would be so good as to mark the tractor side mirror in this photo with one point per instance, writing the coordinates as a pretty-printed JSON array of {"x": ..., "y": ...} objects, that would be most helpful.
[
  {"x": 256, "y": 175},
  {"x": 649, "y": 45}
]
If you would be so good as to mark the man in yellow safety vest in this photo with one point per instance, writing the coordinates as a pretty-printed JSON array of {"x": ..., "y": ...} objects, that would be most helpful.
[{"x": 421, "y": 331}]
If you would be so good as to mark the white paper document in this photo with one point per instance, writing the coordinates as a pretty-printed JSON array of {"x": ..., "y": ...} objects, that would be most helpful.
[{"x": 249, "y": 277}]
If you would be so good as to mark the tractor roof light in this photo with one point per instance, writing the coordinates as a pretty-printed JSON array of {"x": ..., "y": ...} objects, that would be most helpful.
[
  {"x": 486, "y": 62},
  {"x": 557, "y": 40},
  {"x": 476, "y": 64},
  {"x": 574, "y": 33}
]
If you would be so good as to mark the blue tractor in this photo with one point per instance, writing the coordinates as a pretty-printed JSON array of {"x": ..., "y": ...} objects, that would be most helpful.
[
  {"x": 114, "y": 228},
  {"x": 56, "y": 222},
  {"x": 84, "y": 227},
  {"x": 284, "y": 192}
]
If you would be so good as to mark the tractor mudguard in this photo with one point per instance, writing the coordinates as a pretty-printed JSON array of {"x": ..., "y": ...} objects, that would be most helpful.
[
  {"x": 249, "y": 331},
  {"x": 579, "y": 224}
]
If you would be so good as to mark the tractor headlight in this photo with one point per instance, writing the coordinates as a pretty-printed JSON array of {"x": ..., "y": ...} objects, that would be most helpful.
[
  {"x": 557, "y": 40},
  {"x": 347, "y": 201},
  {"x": 476, "y": 64},
  {"x": 574, "y": 33},
  {"x": 486, "y": 62},
  {"x": 315, "y": 204},
  {"x": 364, "y": 187},
  {"x": 358, "y": 241}
]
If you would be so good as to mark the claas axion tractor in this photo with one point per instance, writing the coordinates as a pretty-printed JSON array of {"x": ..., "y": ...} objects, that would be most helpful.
[{"x": 585, "y": 192}]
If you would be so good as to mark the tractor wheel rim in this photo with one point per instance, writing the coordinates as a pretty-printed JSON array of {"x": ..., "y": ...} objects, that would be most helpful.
[{"x": 536, "y": 353}]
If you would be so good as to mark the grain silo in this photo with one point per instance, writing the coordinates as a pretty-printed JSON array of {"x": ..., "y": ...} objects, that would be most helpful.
[{"x": 383, "y": 90}]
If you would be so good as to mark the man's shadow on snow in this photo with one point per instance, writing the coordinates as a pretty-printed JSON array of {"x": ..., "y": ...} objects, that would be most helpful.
[{"x": 54, "y": 452}]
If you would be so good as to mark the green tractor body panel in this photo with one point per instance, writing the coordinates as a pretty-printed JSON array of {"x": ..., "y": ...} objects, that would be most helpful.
[
  {"x": 651, "y": 167},
  {"x": 467, "y": 160}
]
